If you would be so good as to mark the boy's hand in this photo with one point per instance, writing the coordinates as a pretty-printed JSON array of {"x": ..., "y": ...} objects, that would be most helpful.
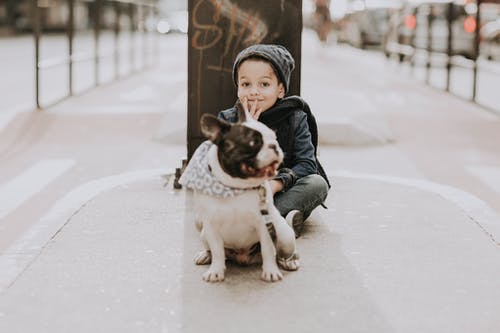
[{"x": 251, "y": 107}]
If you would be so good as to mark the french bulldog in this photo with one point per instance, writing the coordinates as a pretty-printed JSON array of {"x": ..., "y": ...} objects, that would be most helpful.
[{"x": 236, "y": 216}]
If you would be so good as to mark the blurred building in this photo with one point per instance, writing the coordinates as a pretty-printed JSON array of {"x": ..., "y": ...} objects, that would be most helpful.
[
  {"x": 16, "y": 16},
  {"x": 167, "y": 6}
]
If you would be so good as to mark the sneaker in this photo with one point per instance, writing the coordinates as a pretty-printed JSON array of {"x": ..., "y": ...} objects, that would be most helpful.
[
  {"x": 289, "y": 264},
  {"x": 295, "y": 219}
]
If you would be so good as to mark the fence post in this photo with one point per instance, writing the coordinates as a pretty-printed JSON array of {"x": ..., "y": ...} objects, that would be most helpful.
[
  {"x": 430, "y": 20},
  {"x": 70, "y": 33},
  {"x": 97, "y": 31},
  {"x": 153, "y": 44},
  {"x": 449, "y": 19},
  {"x": 142, "y": 29},
  {"x": 116, "y": 30},
  {"x": 36, "y": 34},
  {"x": 476, "y": 50},
  {"x": 132, "y": 37}
]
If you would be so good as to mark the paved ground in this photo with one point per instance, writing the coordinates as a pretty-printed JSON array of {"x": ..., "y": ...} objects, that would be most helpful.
[{"x": 410, "y": 242}]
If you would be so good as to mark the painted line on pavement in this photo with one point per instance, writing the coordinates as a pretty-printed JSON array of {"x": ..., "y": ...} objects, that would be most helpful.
[
  {"x": 18, "y": 256},
  {"x": 16, "y": 191},
  {"x": 476, "y": 209}
]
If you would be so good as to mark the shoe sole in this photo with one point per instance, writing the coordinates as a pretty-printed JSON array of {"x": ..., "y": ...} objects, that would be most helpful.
[{"x": 298, "y": 223}]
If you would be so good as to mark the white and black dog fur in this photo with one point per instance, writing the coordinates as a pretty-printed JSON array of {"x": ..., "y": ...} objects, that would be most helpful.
[{"x": 243, "y": 157}]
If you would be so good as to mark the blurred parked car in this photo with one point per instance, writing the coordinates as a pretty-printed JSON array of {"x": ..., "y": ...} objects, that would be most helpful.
[
  {"x": 175, "y": 22},
  {"x": 367, "y": 22},
  {"x": 490, "y": 40},
  {"x": 409, "y": 28}
]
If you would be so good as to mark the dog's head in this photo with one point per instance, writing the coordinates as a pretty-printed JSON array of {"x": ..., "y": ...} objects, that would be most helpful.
[{"x": 247, "y": 149}]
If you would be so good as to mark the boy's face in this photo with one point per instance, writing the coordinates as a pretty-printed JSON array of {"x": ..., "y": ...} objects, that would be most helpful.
[{"x": 258, "y": 83}]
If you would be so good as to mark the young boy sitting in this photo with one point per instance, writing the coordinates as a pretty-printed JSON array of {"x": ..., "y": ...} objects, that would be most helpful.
[{"x": 262, "y": 76}]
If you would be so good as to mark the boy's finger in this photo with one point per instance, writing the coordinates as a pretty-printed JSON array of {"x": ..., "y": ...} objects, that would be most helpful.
[
  {"x": 254, "y": 107},
  {"x": 254, "y": 112},
  {"x": 257, "y": 113},
  {"x": 244, "y": 103}
]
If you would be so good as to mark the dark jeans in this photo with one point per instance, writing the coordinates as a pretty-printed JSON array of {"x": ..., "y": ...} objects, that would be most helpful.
[{"x": 308, "y": 193}]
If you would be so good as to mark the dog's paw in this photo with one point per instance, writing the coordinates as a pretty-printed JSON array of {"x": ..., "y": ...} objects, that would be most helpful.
[
  {"x": 203, "y": 257},
  {"x": 213, "y": 275},
  {"x": 271, "y": 274}
]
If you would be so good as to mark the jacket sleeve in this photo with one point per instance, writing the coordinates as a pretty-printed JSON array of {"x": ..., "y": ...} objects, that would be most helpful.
[
  {"x": 304, "y": 160},
  {"x": 229, "y": 115},
  {"x": 287, "y": 178}
]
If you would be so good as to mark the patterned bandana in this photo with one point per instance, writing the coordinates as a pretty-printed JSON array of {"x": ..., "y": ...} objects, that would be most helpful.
[{"x": 198, "y": 176}]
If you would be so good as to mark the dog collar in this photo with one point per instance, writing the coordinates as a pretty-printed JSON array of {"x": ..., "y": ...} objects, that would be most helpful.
[
  {"x": 264, "y": 209},
  {"x": 203, "y": 174}
]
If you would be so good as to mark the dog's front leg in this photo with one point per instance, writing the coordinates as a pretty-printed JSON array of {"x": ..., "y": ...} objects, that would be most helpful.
[
  {"x": 270, "y": 270},
  {"x": 216, "y": 270},
  {"x": 285, "y": 237}
]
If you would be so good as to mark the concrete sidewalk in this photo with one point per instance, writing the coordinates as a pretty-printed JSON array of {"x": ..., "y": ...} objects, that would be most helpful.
[
  {"x": 383, "y": 258},
  {"x": 397, "y": 250}
]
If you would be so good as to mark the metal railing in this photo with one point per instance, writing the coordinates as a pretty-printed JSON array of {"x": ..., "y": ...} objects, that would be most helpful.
[
  {"x": 138, "y": 12},
  {"x": 448, "y": 59}
]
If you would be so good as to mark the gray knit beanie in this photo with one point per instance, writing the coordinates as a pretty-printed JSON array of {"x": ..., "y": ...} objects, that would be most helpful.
[{"x": 279, "y": 57}]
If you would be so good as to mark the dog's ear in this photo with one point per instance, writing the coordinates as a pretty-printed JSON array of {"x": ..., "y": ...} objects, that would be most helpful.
[{"x": 213, "y": 128}]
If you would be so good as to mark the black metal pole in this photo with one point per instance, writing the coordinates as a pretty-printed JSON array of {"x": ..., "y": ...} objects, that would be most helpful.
[
  {"x": 155, "y": 40},
  {"x": 148, "y": 18},
  {"x": 70, "y": 33},
  {"x": 430, "y": 19},
  {"x": 449, "y": 18},
  {"x": 412, "y": 44},
  {"x": 476, "y": 50},
  {"x": 116, "y": 54},
  {"x": 142, "y": 20},
  {"x": 97, "y": 32},
  {"x": 36, "y": 34},
  {"x": 132, "y": 37}
]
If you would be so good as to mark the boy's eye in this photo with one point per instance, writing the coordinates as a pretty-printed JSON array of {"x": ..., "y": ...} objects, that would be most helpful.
[
  {"x": 265, "y": 84},
  {"x": 244, "y": 84}
]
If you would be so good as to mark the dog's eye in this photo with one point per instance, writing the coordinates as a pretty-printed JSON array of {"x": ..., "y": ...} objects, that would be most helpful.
[{"x": 252, "y": 143}]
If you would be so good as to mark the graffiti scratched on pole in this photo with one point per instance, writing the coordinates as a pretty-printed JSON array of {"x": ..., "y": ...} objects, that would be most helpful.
[
  {"x": 242, "y": 29},
  {"x": 218, "y": 30}
]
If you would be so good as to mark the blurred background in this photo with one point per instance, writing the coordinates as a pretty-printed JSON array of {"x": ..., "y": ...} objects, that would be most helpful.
[
  {"x": 452, "y": 45},
  {"x": 448, "y": 44},
  {"x": 52, "y": 49}
]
